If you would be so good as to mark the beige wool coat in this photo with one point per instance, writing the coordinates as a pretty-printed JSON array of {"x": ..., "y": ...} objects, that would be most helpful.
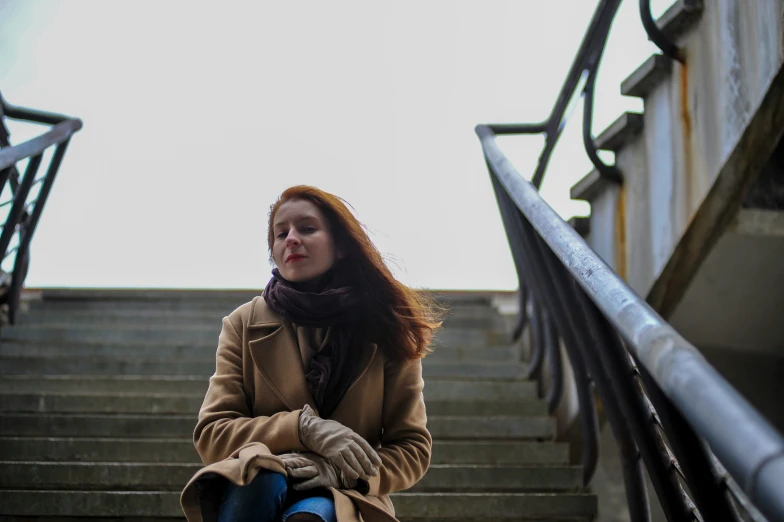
[{"x": 251, "y": 412}]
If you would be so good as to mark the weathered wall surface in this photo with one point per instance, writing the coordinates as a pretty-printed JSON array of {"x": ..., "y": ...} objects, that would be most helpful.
[
  {"x": 692, "y": 121},
  {"x": 604, "y": 214}
]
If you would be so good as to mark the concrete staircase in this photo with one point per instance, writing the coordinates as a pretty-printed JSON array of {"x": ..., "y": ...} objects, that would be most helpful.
[{"x": 99, "y": 392}]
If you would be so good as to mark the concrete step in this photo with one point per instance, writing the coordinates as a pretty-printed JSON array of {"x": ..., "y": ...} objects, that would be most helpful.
[
  {"x": 64, "y": 365},
  {"x": 153, "y": 319},
  {"x": 9, "y": 518},
  {"x": 172, "y": 477},
  {"x": 112, "y": 402},
  {"x": 112, "y": 317},
  {"x": 508, "y": 478},
  {"x": 204, "y": 332},
  {"x": 409, "y": 507},
  {"x": 75, "y": 365},
  {"x": 146, "y": 294},
  {"x": 129, "y": 476},
  {"x": 53, "y": 334},
  {"x": 520, "y": 507},
  {"x": 169, "y": 384},
  {"x": 185, "y": 320},
  {"x": 199, "y": 349},
  {"x": 219, "y": 307},
  {"x": 500, "y": 453},
  {"x": 435, "y": 388},
  {"x": 488, "y": 320},
  {"x": 447, "y": 298},
  {"x": 591, "y": 186},
  {"x": 620, "y": 132},
  {"x": 59, "y": 449},
  {"x": 495, "y": 427},
  {"x": 647, "y": 76},
  {"x": 179, "y": 426},
  {"x": 25, "y": 402},
  {"x": 215, "y": 310},
  {"x": 679, "y": 18}
]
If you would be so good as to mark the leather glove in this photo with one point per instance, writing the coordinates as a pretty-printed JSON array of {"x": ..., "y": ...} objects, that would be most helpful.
[
  {"x": 297, "y": 461},
  {"x": 347, "y": 450},
  {"x": 319, "y": 472}
]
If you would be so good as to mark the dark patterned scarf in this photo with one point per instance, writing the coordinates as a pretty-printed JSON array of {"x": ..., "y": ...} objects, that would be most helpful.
[{"x": 331, "y": 302}]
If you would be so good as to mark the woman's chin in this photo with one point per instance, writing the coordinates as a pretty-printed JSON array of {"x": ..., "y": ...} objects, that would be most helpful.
[{"x": 300, "y": 277}]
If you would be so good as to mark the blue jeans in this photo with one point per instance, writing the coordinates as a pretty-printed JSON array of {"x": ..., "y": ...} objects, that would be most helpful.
[{"x": 268, "y": 499}]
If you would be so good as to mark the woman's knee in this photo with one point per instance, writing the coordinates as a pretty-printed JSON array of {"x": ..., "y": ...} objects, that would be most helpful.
[
  {"x": 269, "y": 481},
  {"x": 313, "y": 509},
  {"x": 260, "y": 501},
  {"x": 266, "y": 484}
]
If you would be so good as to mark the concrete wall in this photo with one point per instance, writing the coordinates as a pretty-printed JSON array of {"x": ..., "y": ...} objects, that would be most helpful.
[
  {"x": 759, "y": 377},
  {"x": 692, "y": 121},
  {"x": 636, "y": 261},
  {"x": 603, "y": 235}
]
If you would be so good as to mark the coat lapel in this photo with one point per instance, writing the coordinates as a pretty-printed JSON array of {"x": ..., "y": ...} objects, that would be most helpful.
[
  {"x": 273, "y": 347},
  {"x": 365, "y": 355},
  {"x": 275, "y": 352}
]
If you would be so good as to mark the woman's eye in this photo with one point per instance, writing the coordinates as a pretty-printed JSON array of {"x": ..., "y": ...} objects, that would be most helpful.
[
  {"x": 281, "y": 235},
  {"x": 309, "y": 229}
]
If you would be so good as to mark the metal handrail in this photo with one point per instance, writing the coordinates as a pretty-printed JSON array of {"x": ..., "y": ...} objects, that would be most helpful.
[
  {"x": 675, "y": 374},
  {"x": 662, "y": 399},
  {"x": 10, "y": 156},
  {"x": 657, "y": 36},
  {"x": 23, "y": 216},
  {"x": 609, "y": 172},
  {"x": 586, "y": 60},
  {"x": 585, "y": 65}
]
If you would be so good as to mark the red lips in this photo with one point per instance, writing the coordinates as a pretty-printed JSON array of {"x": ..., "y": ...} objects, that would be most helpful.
[{"x": 294, "y": 257}]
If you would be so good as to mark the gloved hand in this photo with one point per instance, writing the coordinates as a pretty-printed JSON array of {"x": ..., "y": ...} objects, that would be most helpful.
[
  {"x": 341, "y": 445},
  {"x": 303, "y": 465},
  {"x": 320, "y": 472}
]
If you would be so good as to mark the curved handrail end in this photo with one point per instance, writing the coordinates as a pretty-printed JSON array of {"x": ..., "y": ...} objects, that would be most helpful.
[
  {"x": 483, "y": 130},
  {"x": 57, "y": 134}
]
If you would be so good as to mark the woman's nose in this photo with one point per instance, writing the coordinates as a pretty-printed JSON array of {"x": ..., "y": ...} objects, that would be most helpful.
[{"x": 292, "y": 240}]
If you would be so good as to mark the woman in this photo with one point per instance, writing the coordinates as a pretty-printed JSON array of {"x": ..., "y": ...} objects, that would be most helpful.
[{"x": 315, "y": 411}]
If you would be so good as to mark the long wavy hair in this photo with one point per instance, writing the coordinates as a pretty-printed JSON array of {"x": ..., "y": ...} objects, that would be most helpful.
[{"x": 402, "y": 319}]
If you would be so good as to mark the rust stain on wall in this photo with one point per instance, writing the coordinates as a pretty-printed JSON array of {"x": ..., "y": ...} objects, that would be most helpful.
[
  {"x": 620, "y": 234},
  {"x": 687, "y": 153}
]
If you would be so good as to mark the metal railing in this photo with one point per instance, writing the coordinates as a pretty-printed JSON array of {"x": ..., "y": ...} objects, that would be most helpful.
[
  {"x": 585, "y": 66},
  {"x": 657, "y": 36},
  {"x": 668, "y": 409},
  {"x": 26, "y": 204}
]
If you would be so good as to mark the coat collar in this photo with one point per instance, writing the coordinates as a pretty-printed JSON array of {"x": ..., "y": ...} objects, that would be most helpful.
[
  {"x": 272, "y": 342},
  {"x": 261, "y": 315}
]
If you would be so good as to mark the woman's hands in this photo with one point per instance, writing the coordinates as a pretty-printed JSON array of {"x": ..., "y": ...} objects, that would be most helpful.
[
  {"x": 295, "y": 460},
  {"x": 308, "y": 471},
  {"x": 344, "y": 448}
]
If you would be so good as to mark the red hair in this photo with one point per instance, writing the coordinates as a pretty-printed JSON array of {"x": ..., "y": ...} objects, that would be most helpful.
[{"x": 403, "y": 320}]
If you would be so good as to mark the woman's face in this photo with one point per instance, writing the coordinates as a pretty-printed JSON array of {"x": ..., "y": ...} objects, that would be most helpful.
[{"x": 304, "y": 248}]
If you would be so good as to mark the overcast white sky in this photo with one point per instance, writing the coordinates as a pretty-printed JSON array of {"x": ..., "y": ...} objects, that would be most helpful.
[{"x": 198, "y": 114}]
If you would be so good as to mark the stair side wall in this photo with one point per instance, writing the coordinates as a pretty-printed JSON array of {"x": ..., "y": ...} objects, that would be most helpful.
[
  {"x": 637, "y": 266},
  {"x": 692, "y": 121},
  {"x": 603, "y": 237}
]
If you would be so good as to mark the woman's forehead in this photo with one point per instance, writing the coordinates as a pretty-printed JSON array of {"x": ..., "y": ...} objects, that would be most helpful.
[{"x": 297, "y": 210}]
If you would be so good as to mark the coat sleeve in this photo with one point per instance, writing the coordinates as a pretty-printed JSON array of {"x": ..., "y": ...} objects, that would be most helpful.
[
  {"x": 405, "y": 442},
  {"x": 225, "y": 420}
]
